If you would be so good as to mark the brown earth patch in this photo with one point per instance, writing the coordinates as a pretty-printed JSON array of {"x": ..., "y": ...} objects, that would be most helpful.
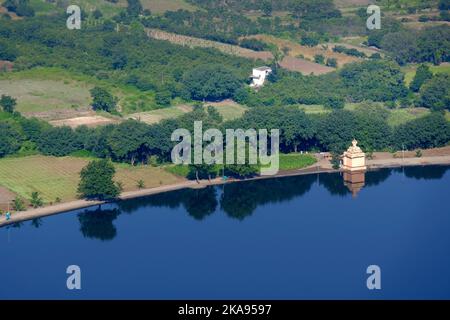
[
  {"x": 6, "y": 198},
  {"x": 90, "y": 121},
  {"x": 352, "y": 3},
  {"x": 297, "y": 50},
  {"x": 11, "y": 14},
  {"x": 6, "y": 65},
  {"x": 304, "y": 66},
  {"x": 436, "y": 152}
]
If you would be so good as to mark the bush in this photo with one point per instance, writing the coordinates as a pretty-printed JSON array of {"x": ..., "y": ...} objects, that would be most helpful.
[
  {"x": 332, "y": 62},
  {"x": 19, "y": 204},
  {"x": 320, "y": 59},
  {"x": 253, "y": 44},
  {"x": 310, "y": 40},
  {"x": 103, "y": 100}
]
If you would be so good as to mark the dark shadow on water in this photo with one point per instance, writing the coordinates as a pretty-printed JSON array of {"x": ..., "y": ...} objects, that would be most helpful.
[
  {"x": 240, "y": 200},
  {"x": 98, "y": 223},
  {"x": 424, "y": 172}
]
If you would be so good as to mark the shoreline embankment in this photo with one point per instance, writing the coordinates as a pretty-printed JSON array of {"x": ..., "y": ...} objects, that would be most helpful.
[{"x": 322, "y": 166}]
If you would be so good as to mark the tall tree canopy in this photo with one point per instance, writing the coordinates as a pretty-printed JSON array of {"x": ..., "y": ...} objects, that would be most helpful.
[
  {"x": 97, "y": 181},
  {"x": 211, "y": 82}
]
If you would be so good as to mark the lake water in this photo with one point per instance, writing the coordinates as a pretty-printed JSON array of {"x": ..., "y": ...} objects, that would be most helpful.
[{"x": 304, "y": 237}]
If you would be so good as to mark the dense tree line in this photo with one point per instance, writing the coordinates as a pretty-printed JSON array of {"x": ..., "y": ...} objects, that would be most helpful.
[
  {"x": 431, "y": 44},
  {"x": 375, "y": 80},
  {"x": 132, "y": 141}
]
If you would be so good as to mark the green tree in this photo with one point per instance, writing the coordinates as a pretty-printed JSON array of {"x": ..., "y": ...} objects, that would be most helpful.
[
  {"x": 19, "y": 204},
  {"x": 211, "y": 82},
  {"x": 444, "y": 5},
  {"x": 11, "y": 139},
  {"x": 375, "y": 80},
  {"x": 267, "y": 7},
  {"x": 332, "y": 62},
  {"x": 423, "y": 74},
  {"x": 36, "y": 200},
  {"x": 97, "y": 181},
  {"x": 241, "y": 170},
  {"x": 430, "y": 131},
  {"x": 140, "y": 184},
  {"x": 337, "y": 130},
  {"x": 435, "y": 93},
  {"x": 102, "y": 99},
  {"x": 320, "y": 59},
  {"x": 163, "y": 97},
  {"x": 202, "y": 171},
  {"x": 97, "y": 14},
  {"x": 8, "y": 103},
  {"x": 134, "y": 8}
]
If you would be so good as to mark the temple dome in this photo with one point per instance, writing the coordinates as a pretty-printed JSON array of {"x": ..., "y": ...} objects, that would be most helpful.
[{"x": 354, "y": 148}]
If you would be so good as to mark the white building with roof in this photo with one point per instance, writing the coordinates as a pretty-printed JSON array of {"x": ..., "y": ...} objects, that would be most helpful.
[{"x": 259, "y": 76}]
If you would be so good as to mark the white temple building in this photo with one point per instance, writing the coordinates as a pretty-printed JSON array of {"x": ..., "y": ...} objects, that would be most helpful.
[{"x": 259, "y": 76}]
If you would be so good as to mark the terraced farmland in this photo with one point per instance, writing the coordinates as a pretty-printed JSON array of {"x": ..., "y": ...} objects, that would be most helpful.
[
  {"x": 202, "y": 43},
  {"x": 58, "y": 177}
]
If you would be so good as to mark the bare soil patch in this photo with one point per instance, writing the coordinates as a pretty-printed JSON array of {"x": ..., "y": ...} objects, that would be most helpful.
[
  {"x": 304, "y": 66},
  {"x": 90, "y": 121},
  {"x": 6, "y": 197},
  {"x": 296, "y": 50},
  {"x": 6, "y": 66},
  {"x": 436, "y": 152},
  {"x": 11, "y": 14}
]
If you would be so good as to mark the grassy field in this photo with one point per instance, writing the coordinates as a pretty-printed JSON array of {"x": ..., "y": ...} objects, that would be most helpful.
[
  {"x": 109, "y": 9},
  {"x": 228, "y": 109},
  {"x": 400, "y": 116},
  {"x": 58, "y": 177},
  {"x": 161, "y": 6},
  {"x": 291, "y": 161},
  {"x": 396, "y": 116},
  {"x": 410, "y": 70},
  {"x": 53, "y": 89}
]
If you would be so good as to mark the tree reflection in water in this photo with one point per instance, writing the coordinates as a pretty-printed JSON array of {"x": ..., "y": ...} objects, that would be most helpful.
[
  {"x": 237, "y": 200},
  {"x": 98, "y": 223}
]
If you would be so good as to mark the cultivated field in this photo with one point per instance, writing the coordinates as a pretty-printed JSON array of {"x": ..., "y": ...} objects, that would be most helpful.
[
  {"x": 58, "y": 177},
  {"x": 304, "y": 66},
  {"x": 197, "y": 42}
]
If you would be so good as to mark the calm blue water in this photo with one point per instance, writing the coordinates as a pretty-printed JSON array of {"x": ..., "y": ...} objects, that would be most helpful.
[{"x": 290, "y": 238}]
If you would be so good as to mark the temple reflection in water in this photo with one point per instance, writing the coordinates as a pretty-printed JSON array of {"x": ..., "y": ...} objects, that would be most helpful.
[{"x": 355, "y": 181}]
